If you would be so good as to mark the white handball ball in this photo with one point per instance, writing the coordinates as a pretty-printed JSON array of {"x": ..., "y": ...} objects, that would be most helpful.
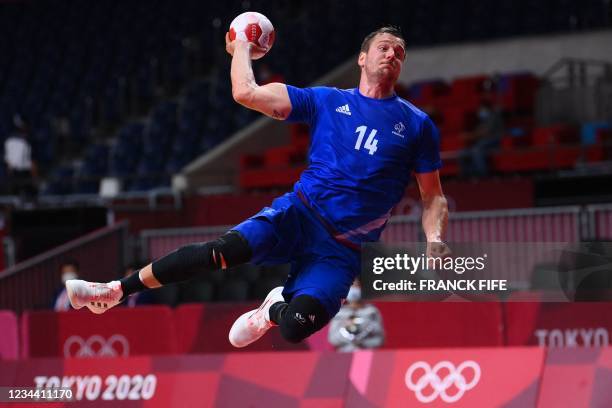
[{"x": 253, "y": 27}]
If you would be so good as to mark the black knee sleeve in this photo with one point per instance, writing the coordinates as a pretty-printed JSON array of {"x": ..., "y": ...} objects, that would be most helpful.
[
  {"x": 184, "y": 263},
  {"x": 304, "y": 316}
]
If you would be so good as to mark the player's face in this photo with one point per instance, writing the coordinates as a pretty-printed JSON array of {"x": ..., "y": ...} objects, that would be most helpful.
[{"x": 384, "y": 58}]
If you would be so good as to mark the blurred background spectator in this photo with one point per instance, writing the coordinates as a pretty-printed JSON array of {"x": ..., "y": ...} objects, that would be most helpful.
[
  {"x": 21, "y": 169},
  {"x": 481, "y": 141},
  {"x": 68, "y": 270},
  {"x": 357, "y": 325}
]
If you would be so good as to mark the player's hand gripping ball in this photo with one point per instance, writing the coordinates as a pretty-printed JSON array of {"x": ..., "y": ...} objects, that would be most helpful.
[{"x": 256, "y": 28}]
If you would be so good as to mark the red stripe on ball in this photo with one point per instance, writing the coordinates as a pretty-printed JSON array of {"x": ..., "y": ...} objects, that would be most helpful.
[{"x": 253, "y": 32}]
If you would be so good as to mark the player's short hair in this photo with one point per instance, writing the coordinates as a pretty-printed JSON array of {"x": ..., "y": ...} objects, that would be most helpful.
[{"x": 394, "y": 31}]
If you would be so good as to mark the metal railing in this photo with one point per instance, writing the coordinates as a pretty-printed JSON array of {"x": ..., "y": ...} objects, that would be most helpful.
[
  {"x": 575, "y": 91},
  {"x": 158, "y": 242},
  {"x": 32, "y": 284},
  {"x": 162, "y": 198},
  {"x": 599, "y": 218},
  {"x": 571, "y": 72},
  {"x": 547, "y": 230},
  {"x": 542, "y": 233},
  {"x": 515, "y": 225}
]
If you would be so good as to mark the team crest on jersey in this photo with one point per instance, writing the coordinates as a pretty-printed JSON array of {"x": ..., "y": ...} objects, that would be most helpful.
[
  {"x": 344, "y": 109},
  {"x": 399, "y": 128}
]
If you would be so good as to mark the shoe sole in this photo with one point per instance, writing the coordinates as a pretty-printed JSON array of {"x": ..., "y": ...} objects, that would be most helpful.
[{"x": 71, "y": 295}]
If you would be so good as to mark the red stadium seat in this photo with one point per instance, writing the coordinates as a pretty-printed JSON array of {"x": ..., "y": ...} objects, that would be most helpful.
[
  {"x": 249, "y": 161},
  {"x": 450, "y": 168},
  {"x": 425, "y": 93},
  {"x": 468, "y": 85},
  {"x": 284, "y": 156},
  {"x": 300, "y": 135},
  {"x": 604, "y": 135},
  {"x": 467, "y": 93},
  {"x": 270, "y": 177},
  {"x": 278, "y": 167},
  {"x": 457, "y": 119},
  {"x": 512, "y": 142},
  {"x": 556, "y": 134},
  {"x": 451, "y": 141},
  {"x": 516, "y": 92}
]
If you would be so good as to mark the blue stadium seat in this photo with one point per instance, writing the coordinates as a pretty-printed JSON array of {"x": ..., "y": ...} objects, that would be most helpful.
[
  {"x": 60, "y": 182},
  {"x": 143, "y": 183},
  {"x": 43, "y": 146}
]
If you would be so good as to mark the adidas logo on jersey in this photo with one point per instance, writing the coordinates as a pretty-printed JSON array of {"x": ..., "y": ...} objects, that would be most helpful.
[{"x": 344, "y": 109}]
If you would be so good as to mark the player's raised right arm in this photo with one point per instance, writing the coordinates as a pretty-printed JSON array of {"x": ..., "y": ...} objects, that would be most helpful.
[{"x": 271, "y": 99}]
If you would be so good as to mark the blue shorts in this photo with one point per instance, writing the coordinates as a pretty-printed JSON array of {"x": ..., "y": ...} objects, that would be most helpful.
[{"x": 289, "y": 232}]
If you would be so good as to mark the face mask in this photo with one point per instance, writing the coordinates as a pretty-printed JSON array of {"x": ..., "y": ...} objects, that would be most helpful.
[
  {"x": 68, "y": 275},
  {"x": 354, "y": 294}
]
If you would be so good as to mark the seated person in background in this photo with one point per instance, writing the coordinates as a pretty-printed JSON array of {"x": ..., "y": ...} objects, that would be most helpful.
[
  {"x": 68, "y": 270},
  {"x": 357, "y": 325},
  {"x": 480, "y": 141}
]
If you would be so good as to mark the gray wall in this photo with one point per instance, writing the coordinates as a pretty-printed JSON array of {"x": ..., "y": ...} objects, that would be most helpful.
[{"x": 535, "y": 54}]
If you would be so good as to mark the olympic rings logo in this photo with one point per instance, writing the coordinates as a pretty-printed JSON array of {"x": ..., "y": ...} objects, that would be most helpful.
[
  {"x": 440, "y": 385},
  {"x": 96, "y": 346}
]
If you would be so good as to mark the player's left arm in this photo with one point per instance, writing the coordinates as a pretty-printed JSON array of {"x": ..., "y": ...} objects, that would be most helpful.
[{"x": 435, "y": 212}]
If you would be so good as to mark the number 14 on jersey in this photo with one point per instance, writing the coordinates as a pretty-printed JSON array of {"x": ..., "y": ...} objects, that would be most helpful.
[{"x": 370, "y": 143}]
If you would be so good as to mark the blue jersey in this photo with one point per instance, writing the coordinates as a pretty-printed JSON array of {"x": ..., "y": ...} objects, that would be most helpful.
[{"x": 362, "y": 154}]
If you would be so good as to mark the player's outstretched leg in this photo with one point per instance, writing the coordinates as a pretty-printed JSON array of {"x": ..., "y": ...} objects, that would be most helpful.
[
  {"x": 255, "y": 323},
  {"x": 185, "y": 263},
  {"x": 97, "y": 297}
]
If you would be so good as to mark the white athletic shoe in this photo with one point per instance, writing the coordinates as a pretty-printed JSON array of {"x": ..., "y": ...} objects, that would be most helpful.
[
  {"x": 98, "y": 297},
  {"x": 252, "y": 325}
]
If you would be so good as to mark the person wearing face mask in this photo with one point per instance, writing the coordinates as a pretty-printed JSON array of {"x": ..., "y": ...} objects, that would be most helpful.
[
  {"x": 480, "y": 141},
  {"x": 357, "y": 325},
  {"x": 68, "y": 270}
]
